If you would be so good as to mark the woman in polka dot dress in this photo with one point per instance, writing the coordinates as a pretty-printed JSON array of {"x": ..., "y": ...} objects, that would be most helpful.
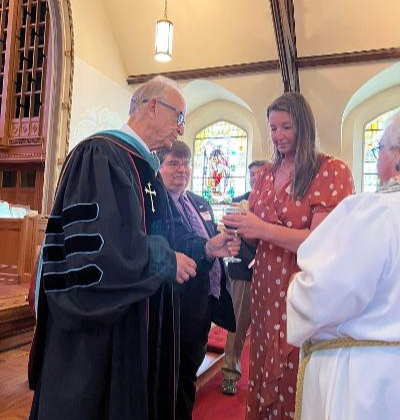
[{"x": 291, "y": 197}]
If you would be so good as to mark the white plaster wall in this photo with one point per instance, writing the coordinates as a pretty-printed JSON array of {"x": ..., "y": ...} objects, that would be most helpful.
[
  {"x": 100, "y": 92},
  {"x": 98, "y": 103},
  {"x": 354, "y": 124},
  {"x": 328, "y": 90}
]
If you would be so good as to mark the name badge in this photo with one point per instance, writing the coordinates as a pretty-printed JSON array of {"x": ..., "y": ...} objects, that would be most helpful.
[{"x": 206, "y": 216}]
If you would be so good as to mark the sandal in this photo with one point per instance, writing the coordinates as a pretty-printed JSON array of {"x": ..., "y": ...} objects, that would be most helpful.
[{"x": 229, "y": 387}]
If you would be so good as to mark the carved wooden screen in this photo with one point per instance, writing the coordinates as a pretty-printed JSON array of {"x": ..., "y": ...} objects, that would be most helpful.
[
  {"x": 24, "y": 46},
  {"x": 4, "y": 11}
]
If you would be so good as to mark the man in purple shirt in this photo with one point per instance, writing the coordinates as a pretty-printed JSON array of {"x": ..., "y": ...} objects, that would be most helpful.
[{"x": 205, "y": 298}]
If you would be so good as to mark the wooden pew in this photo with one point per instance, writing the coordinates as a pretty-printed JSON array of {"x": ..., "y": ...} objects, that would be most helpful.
[{"x": 19, "y": 241}]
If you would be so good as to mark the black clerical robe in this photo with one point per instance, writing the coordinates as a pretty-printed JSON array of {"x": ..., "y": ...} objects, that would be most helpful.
[{"x": 107, "y": 322}]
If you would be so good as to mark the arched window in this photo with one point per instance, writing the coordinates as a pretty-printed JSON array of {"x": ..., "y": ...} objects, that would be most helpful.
[
  {"x": 220, "y": 162},
  {"x": 372, "y": 132}
]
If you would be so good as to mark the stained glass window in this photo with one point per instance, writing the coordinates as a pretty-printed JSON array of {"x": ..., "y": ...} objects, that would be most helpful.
[
  {"x": 372, "y": 133},
  {"x": 220, "y": 163}
]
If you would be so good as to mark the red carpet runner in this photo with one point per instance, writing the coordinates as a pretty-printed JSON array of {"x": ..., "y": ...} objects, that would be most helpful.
[{"x": 211, "y": 404}]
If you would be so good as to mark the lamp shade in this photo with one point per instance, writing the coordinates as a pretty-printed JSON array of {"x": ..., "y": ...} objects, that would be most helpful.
[{"x": 164, "y": 34}]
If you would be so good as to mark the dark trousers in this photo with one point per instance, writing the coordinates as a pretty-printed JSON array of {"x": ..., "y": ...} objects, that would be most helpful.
[{"x": 192, "y": 354}]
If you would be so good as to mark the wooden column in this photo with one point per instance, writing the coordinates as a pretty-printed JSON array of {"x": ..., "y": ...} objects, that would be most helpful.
[
  {"x": 27, "y": 248},
  {"x": 285, "y": 33}
]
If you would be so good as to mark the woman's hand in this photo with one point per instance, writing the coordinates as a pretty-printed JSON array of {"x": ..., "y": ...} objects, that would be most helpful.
[
  {"x": 251, "y": 227},
  {"x": 248, "y": 225}
]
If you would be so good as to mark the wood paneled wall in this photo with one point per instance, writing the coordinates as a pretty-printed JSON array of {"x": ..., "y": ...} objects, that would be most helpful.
[{"x": 20, "y": 193}]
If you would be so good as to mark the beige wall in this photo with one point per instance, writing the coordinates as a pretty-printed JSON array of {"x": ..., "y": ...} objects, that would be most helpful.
[
  {"x": 103, "y": 61},
  {"x": 94, "y": 39},
  {"x": 217, "y": 33},
  {"x": 326, "y": 27},
  {"x": 206, "y": 33}
]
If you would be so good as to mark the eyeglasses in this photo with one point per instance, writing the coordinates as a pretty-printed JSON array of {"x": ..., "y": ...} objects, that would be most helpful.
[
  {"x": 375, "y": 151},
  {"x": 180, "y": 120},
  {"x": 174, "y": 164}
]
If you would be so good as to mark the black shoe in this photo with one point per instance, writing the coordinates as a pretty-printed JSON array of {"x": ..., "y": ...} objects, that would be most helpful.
[{"x": 229, "y": 387}]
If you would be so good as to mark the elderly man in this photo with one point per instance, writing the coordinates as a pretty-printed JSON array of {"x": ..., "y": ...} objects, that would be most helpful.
[
  {"x": 205, "y": 298},
  {"x": 105, "y": 345}
]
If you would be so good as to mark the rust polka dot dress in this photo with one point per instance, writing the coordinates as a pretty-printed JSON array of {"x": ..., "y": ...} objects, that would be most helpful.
[{"x": 273, "y": 362}]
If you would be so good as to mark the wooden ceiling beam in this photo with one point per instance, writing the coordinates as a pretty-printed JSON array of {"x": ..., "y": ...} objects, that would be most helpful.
[
  {"x": 285, "y": 34},
  {"x": 208, "y": 72},
  {"x": 338, "y": 59},
  {"x": 353, "y": 57}
]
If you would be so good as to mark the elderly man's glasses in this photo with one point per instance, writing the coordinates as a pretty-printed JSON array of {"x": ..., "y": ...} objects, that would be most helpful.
[
  {"x": 180, "y": 117},
  {"x": 375, "y": 151}
]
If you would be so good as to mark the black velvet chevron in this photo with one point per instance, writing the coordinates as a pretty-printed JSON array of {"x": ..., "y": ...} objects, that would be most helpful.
[
  {"x": 54, "y": 225},
  {"x": 81, "y": 244},
  {"x": 74, "y": 214},
  {"x": 81, "y": 277},
  {"x": 59, "y": 272},
  {"x": 53, "y": 253},
  {"x": 79, "y": 213}
]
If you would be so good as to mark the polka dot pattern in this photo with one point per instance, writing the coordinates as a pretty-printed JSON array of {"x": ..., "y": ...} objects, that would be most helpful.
[{"x": 273, "y": 362}]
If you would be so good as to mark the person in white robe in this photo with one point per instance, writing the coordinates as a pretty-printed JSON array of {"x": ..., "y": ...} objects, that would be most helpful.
[{"x": 349, "y": 289}]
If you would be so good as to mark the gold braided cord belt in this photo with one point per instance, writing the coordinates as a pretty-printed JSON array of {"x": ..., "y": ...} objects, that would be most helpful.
[{"x": 309, "y": 349}]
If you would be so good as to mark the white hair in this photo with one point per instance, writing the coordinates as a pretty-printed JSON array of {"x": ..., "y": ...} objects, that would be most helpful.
[
  {"x": 153, "y": 89},
  {"x": 391, "y": 134}
]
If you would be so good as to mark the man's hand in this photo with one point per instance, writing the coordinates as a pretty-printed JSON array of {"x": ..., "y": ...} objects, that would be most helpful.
[
  {"x": 223, "y": 245},
  {"x": 185, "y": 268}
]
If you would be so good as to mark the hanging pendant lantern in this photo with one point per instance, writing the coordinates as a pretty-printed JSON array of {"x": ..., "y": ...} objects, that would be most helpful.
[{"x": 164, "y": 35}]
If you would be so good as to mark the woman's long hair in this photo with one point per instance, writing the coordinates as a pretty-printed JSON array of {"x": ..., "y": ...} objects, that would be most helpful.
[{"x": 307, "y": 159}]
